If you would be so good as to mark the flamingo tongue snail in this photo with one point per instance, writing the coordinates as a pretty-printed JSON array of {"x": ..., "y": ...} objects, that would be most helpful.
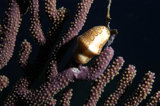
[{"x": 90, "y": 43}]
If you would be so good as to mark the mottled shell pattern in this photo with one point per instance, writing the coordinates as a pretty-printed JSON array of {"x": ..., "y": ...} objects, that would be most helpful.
[{"x": 90, "y": 44}]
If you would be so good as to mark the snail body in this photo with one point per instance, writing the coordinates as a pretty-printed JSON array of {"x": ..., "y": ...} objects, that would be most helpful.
[{"x": 90, "y": 44}]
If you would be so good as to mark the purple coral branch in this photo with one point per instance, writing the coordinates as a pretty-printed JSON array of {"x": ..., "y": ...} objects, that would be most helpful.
[
  {"x": 36, "y": 30},
  {"x": 9, "y": 29},
  {"x": 44, "y": 92},
  {"x": 4, "y": 81},
  {"x": 79, "y": 20},
  {"x": 57, "y": 18},
  {"x": 125, "y": 81},
  {"x": 154, "y": 100},
  {"x": 24, "y": 53},
  {"x": 102, "y": 80},
  {"x": 52, "y": 12},
  {"x": 144, "y": 88},
  {"x": 66, "y": 97}
]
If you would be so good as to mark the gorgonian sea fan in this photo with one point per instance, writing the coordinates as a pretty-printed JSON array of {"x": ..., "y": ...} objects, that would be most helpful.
[{"x": 52, "y": 48}]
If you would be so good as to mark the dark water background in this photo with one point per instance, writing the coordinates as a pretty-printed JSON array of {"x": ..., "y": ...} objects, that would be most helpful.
[{"x": 138, "y": 41}]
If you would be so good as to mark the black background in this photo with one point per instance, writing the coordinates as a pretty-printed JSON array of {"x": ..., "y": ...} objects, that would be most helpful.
[{"x": 138, "y": 40}]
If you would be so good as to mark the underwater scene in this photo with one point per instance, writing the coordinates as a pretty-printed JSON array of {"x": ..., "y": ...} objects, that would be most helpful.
[{"x": 79, "y": 53}]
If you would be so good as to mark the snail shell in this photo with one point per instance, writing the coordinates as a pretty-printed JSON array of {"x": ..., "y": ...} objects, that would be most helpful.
[{"x": 90, "y": 44}]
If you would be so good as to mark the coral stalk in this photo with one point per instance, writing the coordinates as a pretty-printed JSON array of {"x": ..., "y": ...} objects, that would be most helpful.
[
  {"x": 102, "y": 80},
  {"x": 45, "y": 92},
  {"x": 4, "y": 81},
  {"x": 35, "y": 28},
  {"x": 9, "y": 28},
  {"x": 24, "y": 53},
  {"x": 154, "y": 100},
  {"x": 65, "y": 101},
  {"x": 125, "y": 81},
  {"x": 144, "y": 88}
]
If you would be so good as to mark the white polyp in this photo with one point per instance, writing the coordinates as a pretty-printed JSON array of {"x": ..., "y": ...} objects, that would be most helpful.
[{"x": 76, "y": 71}]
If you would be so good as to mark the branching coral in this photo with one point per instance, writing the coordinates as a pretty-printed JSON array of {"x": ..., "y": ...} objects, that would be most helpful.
[{"x": 52, "y": 47}]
